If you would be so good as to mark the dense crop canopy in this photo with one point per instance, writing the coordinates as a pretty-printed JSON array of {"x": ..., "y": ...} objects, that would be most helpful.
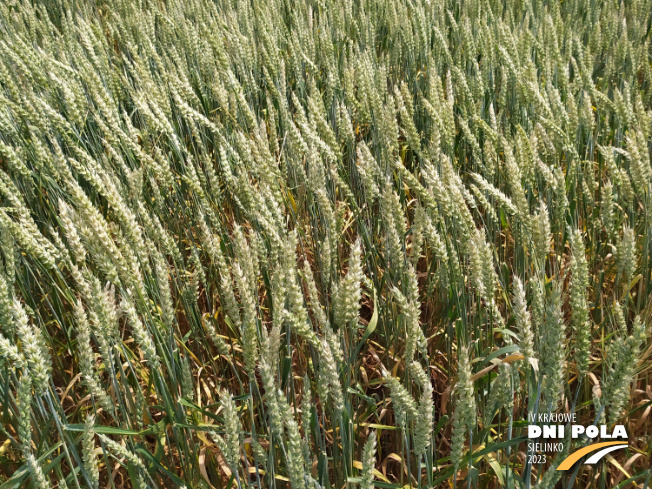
[{"x": 312, "y": 243}]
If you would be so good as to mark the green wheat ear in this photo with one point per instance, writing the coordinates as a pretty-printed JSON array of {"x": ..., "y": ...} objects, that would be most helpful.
[
  {"x": 369, "y": 461},
  {"x": 88, "y": 448}
]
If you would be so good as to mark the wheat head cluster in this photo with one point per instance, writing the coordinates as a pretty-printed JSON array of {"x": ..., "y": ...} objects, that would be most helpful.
[{"x": 318, "y": 244}]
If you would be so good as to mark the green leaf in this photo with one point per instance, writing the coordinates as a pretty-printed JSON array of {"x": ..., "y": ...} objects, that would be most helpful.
[
  {"x": 105, "y": 430},
  {"x": 177, "y": 481},
  {"x": 18, "y": 477},
  {"x": 503, "y": 351}
]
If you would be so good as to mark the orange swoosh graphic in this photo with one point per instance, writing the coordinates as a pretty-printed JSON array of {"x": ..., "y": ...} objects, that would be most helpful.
[{"x": 575, "y": 456}]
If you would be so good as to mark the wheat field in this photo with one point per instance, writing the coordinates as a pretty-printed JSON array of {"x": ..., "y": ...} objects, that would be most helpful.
[{"x": 313, "y": 244}]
